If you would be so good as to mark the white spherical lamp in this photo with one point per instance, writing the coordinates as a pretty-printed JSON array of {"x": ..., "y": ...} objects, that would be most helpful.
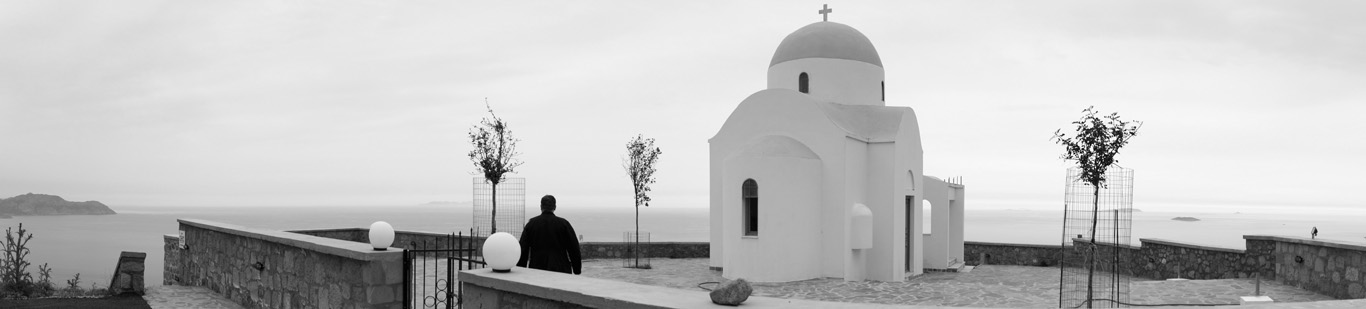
[
  {"x": 501, "y": 252},
  {"x": 381, "y": 235}
]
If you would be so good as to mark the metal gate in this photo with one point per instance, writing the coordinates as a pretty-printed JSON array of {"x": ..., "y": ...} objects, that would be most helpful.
[{"x": 430, "y": 267}]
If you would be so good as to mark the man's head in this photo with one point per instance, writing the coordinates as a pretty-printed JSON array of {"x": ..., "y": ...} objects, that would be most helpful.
[{"x": 548, "y": 203}]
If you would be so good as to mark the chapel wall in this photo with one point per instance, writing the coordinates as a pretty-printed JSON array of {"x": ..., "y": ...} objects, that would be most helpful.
[
  {"x": 789, "y": 206},
  {"x": 880, "y": 187}
]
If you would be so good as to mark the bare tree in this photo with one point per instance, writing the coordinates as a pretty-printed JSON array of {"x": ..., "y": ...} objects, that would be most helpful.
[
  {"x": 494, "y": 154},
  {"x": 641, "y": 156},
  {"x": 1094, "y": 146}
]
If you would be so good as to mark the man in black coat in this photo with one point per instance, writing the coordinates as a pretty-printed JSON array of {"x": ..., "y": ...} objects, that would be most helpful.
[{"x": 549, "y": 242}]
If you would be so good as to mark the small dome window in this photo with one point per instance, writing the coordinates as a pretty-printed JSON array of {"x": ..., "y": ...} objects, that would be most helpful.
[{"x": 804, "y": 83}]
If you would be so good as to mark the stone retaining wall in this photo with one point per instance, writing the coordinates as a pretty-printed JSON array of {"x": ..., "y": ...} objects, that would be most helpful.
[
  {"x": 1332, "y": 268},
  {"x": 1011, "y": 254},
  {"x": 1262, "y": 253},
  {"x": 171, "y": 256},
  {"x": 274, "y": 269},
  {"x": 1164, "y": 259},
  {"x": 318, "y": 268},
  {"x": 672, "y": 250},
  {"x": 589, "y": 250},
  {"x": 128, "y": 274}
]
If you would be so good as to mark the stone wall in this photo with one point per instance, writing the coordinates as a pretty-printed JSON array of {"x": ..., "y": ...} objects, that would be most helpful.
[
  {"x": 1324, "y": 266},
  {"x": 1262, "y": 253},
  {"x": 171, "y": 257},
  {"x": 1164, "y": 259},
  {"x": 1129, "y": 256},
  {"x": 1011, "y": 254},
  {"x": 128, "y": 274},
  {"x": 589, "y": 250},
  {"x": 274, "y": 269},
  {"x": 672, "y": 250},
  {"x": 1328, "y": 267}
]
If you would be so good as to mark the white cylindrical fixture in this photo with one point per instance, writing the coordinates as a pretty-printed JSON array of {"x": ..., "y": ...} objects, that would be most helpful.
[
  {"x": 501, "y": 251},
  {"x": 860, "y": 227},
  {"x": 381, "y": 235}
]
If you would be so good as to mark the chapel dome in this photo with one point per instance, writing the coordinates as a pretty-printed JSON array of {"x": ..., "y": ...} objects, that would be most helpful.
[{"x": 826, "y": 40}]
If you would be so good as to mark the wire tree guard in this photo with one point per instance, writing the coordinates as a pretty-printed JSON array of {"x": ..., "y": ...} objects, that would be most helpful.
[
  {"x": 1112, "y": 218},
  {"x": 511, "y": 206},
  {"x": 637, "y": 253}
]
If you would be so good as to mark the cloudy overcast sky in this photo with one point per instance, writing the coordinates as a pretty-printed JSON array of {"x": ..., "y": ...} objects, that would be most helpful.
[{"x": 223, "y": 103}]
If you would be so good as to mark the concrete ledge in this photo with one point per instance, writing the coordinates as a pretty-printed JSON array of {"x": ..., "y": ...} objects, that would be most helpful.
[
  {"x": 367, "y": 231},
  {"x": 1087, "y": 241},
  {"x": 600, "y": 293},
  {"x": 1188, "y": 245},
  {"x": 346, "y": 229},
  {"x": 579, "y": 291},
  {"x": 347, "y": 249},
  {"x": 1309, "y": 241}
]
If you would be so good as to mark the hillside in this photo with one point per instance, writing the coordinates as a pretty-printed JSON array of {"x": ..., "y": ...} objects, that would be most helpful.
[{"x": 49, "y": 205}]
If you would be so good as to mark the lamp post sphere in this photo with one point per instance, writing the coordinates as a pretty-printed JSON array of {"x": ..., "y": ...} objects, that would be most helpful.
[
  {"x": 501, "y": 251},
  {"x": 381, "y": 235}
]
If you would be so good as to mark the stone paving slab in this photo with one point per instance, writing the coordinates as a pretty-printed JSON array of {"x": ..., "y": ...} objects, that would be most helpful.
[
  {"x": 1220, "y": 291},
  {"x": 186, "y": 297},
  {"x": 985, "y": 286}
]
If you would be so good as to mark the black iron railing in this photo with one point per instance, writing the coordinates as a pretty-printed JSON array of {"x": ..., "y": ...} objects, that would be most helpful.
[{"x": 430, "y": 267}]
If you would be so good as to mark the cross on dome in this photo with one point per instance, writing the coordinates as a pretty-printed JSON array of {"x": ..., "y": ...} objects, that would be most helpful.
[{"x": 825, "y": 12}]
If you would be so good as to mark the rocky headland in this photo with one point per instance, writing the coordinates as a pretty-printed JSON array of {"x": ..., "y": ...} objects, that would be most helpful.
[{"x": 49, "y": 205}]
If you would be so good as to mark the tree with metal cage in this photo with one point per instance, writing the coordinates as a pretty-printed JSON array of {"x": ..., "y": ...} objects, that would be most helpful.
[
  {"x": 641, "y": 156},
  {"x": 494, "y": 154},
  {"x": 1093, "y": 147}
]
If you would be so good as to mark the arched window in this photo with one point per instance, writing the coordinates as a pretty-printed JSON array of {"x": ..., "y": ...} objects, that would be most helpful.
[
  {"x": 884, "y": 91},
  {"x": 750, "y": 195},
  {"x": 911, "y": 177},
  {"x": 803, "y": 83}
]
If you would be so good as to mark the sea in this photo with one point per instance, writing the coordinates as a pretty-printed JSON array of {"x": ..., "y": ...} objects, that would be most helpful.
[{"x": 90, "y": 245}]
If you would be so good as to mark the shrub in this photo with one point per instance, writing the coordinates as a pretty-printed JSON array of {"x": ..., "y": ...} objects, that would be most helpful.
[
  {"x": 74, "y": 283},
  {"x": 15, "y": 280}
]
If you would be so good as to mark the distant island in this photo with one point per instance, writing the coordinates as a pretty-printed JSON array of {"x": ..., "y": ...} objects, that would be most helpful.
[
  {"x": 49, "y": 205},
  {"x": 1185, "y": 219}
]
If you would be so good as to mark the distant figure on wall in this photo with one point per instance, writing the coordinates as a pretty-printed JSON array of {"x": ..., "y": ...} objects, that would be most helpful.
[
  {"x": 549, "y": 242},
  {"x": 1314, "y": 234}
]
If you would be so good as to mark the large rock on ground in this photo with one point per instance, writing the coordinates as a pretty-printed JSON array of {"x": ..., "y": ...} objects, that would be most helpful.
[{"x": 732, "y": 292}]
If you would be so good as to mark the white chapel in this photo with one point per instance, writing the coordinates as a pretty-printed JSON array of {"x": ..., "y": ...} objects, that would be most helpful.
[{"x": 818, "y": 177}]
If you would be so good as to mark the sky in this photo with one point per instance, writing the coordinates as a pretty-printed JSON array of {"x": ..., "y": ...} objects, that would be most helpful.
[{"x": 1244, "y": 104}]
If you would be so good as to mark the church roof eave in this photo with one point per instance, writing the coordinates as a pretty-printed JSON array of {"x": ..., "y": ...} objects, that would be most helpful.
[{"x": 870, "y": 124}]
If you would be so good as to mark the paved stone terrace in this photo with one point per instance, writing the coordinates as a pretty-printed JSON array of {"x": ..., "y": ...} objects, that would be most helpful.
[
  {"x": 186, "y": 297},
  {"x": 986, "y": 286}
]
